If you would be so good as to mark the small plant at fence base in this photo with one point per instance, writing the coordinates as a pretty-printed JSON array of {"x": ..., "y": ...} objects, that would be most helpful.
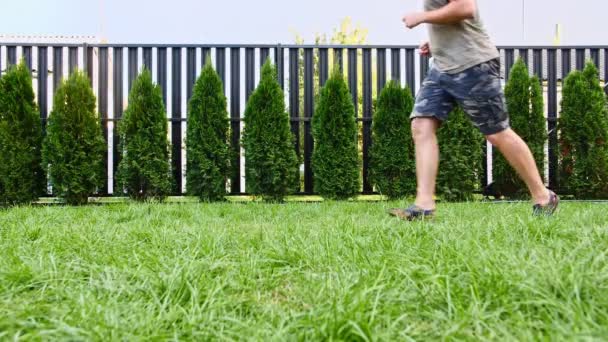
[
  {"x": 583, "y": 128},
  {"x": 392, "y": 164},
  {"x": 74, "y": 147},
  {"x": 144, "y": 171},
  {"x": 335, "y": 159},
  {"x": 460, "y": 167},
  {"x": 208, "y": 154},
  {"x": 22, "y": 179},
  {"x": 526, "y": 112},
  {"x": 269, "y": 154}
]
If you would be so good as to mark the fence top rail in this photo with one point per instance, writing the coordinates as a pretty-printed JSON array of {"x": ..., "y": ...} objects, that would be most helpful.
[
  {"x": 552, "y": 47},
  {"x": 130, "y": 45},
  {"x": 289, "y": 46}
]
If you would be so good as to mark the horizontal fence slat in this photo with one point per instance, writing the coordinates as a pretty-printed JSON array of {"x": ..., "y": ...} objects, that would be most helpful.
[{"x": 301, "y": 46}]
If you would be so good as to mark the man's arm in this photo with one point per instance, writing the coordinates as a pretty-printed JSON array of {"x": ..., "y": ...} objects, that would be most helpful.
[{"x": 454, "y": 12}]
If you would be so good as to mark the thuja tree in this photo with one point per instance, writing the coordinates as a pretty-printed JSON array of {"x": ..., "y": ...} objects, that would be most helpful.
[
  {"x": 583, "y": 129},
  {"x": 392, "y": 158},
  {"x": 524, "y": 98},
  {"x": 144, "y": 170},
  {"x": 461, "y": 157},
  {"x": 74, "y": 146},
  {"x": 270, "y": 158},
  {"x": 22, "y": 179},
  {"x": 335, "y": 159},
  {"x": 208, "y": 163}
]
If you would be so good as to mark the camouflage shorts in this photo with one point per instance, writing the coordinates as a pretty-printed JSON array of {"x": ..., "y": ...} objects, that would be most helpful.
[{"x": 477, "y": 90}]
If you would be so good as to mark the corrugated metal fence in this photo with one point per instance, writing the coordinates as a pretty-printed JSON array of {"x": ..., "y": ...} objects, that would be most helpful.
[{"x": 302, "y": 69}]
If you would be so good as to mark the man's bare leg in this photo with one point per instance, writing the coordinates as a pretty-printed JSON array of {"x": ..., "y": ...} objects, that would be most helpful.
[
  {"x": 519, "y": 156},
  {"x": 427, "y": 160}
]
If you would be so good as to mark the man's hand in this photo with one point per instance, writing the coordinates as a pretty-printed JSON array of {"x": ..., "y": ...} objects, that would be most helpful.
[
  {"x": 414, "y": 19},
  {"x": 425, "y": 49}
]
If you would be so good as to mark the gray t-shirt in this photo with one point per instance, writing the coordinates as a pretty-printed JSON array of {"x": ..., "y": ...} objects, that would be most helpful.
[{"x": 457, "y": 47}]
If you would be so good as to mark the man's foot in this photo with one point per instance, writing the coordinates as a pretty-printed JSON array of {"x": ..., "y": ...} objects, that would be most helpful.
[
  {"x": 412, "y": 213},
  {"x": 546, "y": 209}
]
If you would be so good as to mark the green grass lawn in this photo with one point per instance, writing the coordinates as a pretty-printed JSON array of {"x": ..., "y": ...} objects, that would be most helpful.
[{"x": 302, "y": 271}]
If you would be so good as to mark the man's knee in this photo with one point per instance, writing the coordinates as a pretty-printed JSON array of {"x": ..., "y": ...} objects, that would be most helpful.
[
  {"x": 423, "y": 128},
  {"x": 493, "y": 139},
  {"x": 497, "y": 138}
]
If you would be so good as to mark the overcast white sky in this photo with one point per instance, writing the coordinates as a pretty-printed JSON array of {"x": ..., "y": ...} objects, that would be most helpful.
[{"x": 273, "y": 21}]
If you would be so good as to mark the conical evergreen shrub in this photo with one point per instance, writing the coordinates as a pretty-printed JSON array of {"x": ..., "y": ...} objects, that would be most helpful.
[
  {"x": 335, "y": 159},
  {"x": 144, "y": 170},
  {"x": 583, "y": 129},
  {"x": 270, "y": 158},
  {"x": 208, "y": 164},
  {"x": 74, "y": 146},
  {"x": 461, "y": 158},
  {"x": 524, "y": 97},
  {"x": 22, "y": 179},
  {"x": 392, "y": 158}
]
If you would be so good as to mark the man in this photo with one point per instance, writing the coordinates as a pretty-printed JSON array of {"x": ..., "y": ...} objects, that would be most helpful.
[{"x": 465, "y": 72}]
